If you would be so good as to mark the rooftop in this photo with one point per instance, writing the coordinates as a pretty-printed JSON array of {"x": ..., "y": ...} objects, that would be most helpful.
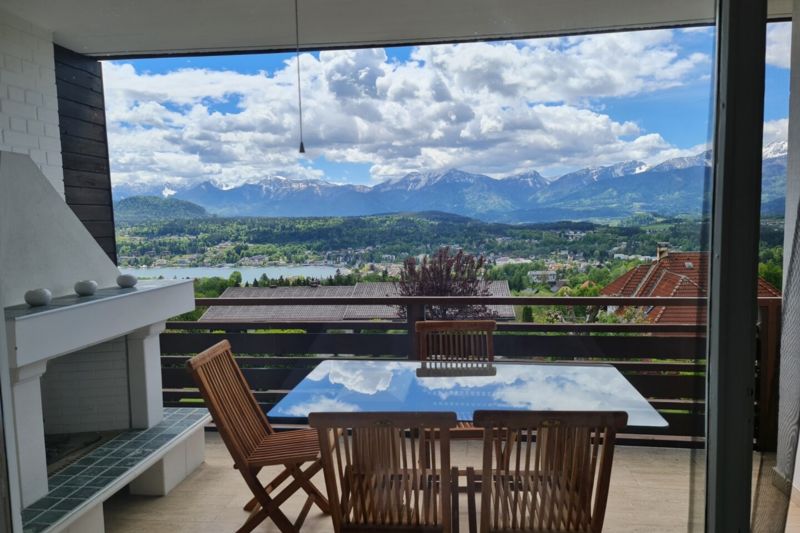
[
  {"x": 310, "y": 313},
  {"x": 675, "y": 274}
]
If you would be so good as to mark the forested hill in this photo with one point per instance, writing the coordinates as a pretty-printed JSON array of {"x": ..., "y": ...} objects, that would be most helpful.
[
  {"x": 398, "y": 235},
  {"x": 139, "y": 209}
]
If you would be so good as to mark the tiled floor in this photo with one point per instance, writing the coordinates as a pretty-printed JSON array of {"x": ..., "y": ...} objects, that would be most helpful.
[
  {"x": 650, "y": 492},
  {"x": 92, "y": 474}
]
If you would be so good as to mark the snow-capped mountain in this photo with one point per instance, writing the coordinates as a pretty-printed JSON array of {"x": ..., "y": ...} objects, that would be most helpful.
[
  {"x": 700, "y": 160},
  {"x": 675, "y": 186},
  {"x": 775, "y": 149},
  {"x": 575, "y": 181},
  {"x": 530, "y": 179},
  {"x": 593, "y": 174},
  {"x": 414, "y": 181}
]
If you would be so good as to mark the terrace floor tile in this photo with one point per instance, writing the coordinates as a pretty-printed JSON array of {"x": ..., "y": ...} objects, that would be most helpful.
[{"x": 644, "y": 497}]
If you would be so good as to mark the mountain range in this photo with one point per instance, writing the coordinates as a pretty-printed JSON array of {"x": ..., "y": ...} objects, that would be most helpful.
[{"x": 677, "y": 186}]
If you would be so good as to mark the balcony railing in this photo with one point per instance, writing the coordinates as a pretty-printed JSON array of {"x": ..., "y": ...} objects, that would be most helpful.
[{"x": 665, "y": 362}]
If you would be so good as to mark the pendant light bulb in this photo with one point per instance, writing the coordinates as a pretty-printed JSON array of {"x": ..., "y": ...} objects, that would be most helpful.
[{"x": 297, "y": 55}]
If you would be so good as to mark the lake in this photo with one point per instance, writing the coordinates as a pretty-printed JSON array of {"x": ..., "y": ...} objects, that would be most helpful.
[{"x": 248, "y": 273}]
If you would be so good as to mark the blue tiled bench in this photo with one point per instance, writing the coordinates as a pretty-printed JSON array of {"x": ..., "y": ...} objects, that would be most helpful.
[{"x": 83, "y": 486}]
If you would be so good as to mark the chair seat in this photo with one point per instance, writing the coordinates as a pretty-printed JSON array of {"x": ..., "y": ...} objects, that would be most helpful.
[{"x": 296, "y": 446}]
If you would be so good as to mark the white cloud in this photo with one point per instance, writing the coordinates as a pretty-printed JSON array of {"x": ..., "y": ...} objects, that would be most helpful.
[
  {"x": 321, "y": 404},
  {"x": 776, "y": 131},
  {"x": 487, "y": 107},
  {"x": 779, "y": 44},
  {"x": 367, "y": 378}
]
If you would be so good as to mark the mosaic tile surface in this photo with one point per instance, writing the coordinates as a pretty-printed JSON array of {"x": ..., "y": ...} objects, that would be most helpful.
[{"x": 87, "y": 477}]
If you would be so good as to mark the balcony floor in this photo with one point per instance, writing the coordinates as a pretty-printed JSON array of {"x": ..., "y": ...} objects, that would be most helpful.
[{"x": 650, "y": 491}]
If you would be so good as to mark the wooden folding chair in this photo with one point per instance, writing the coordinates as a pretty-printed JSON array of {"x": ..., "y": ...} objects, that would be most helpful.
[
  {"x": 253, "y": 443},
  {"x": 559, "y": 483},
  {"x": 385, "y": 471},
  {"x": 457, "y": 346}
]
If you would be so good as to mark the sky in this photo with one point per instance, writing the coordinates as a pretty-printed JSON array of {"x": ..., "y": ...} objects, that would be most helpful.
[{"x": 552, "y": 105}]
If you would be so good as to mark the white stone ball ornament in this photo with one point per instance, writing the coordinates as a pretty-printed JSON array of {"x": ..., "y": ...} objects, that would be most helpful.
[
  {"x": 126, "y": 281},
  {"x": 38, "y": 297},
  {"x": 86, "y": 287}
]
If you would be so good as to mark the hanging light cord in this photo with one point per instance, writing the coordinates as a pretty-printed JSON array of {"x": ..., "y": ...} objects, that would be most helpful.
[{"x": 297, "y": 54}]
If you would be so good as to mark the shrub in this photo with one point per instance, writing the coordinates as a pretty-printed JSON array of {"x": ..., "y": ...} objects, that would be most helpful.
[{"x": 444, "y": 274}]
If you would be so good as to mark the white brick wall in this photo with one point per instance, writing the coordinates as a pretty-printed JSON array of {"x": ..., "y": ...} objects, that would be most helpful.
[
  {"x": 87, "y": 390},
  {"x": 28, "y": 100}
]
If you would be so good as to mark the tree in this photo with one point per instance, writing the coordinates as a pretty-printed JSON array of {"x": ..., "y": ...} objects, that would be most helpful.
[
  {"x": 527, "y": 314},
  {"x": 235, "y": 279},
  {"x": 570, "y": 313},
  {"x": 446, "y": 275},
  {"x": 772, "y": 273}
]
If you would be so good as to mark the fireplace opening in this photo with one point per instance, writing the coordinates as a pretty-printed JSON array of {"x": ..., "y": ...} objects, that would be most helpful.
[{"x": 67, "y": 448}]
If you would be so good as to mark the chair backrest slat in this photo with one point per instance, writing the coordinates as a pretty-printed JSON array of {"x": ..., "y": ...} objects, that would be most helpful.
[
  {"x": 238, "y": 417},
  {"x": 387, "y": 470},
  {"x": 558, "y": 483},
  {"x": 466, "y": 341}
]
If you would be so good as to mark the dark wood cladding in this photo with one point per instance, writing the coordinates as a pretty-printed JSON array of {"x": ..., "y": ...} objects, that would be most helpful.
[{"x": 84, "y": 145}]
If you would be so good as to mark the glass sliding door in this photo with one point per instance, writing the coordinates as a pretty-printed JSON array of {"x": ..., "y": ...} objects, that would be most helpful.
[{"x": 576, "y": 164}]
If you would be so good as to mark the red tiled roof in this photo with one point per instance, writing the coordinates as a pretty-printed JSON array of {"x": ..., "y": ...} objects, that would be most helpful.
[
  {"x": 627, "y": 282},
  {"x": 765, "y": 288},
  {"x": 691, "y": 265},
  {"x": 678, "y": 274}
]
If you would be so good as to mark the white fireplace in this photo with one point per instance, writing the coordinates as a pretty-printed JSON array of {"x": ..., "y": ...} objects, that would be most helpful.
[
  {"x": 79, "y": 364},
  {"x": 87, "y": 364}
]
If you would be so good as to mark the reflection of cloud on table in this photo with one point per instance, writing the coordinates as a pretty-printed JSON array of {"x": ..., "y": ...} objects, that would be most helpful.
[
  {"x": 572, "y": 388},
  {"x": 544, "y": 387},
  {"x": 367, "y": 378},
  {"x": 381, "y": 385},
  {"x": 321, "y": 404},
  {"x": 460, "y": 382}
]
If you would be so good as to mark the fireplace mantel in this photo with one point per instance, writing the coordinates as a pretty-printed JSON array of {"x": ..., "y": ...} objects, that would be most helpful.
[{"x": 70, "y": 323}]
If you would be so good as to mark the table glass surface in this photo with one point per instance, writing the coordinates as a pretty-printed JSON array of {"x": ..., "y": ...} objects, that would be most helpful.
[{"x": 352, "y": 386}]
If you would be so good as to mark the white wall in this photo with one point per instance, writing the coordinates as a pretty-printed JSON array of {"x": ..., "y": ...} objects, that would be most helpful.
[
  {"x": 793, "y": 175},
  {"x": 42, "y": 242},
  {"x": 28, "y": 101},
  {"x": 28, "y": 125},
  {"x": 10, "y": 434},
  {"x": 793, "y": 180},
  {"x": 87, "y": 390}
]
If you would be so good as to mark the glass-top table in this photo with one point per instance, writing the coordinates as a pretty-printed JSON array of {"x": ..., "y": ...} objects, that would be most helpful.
[{"x": 351, "y": 386}]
